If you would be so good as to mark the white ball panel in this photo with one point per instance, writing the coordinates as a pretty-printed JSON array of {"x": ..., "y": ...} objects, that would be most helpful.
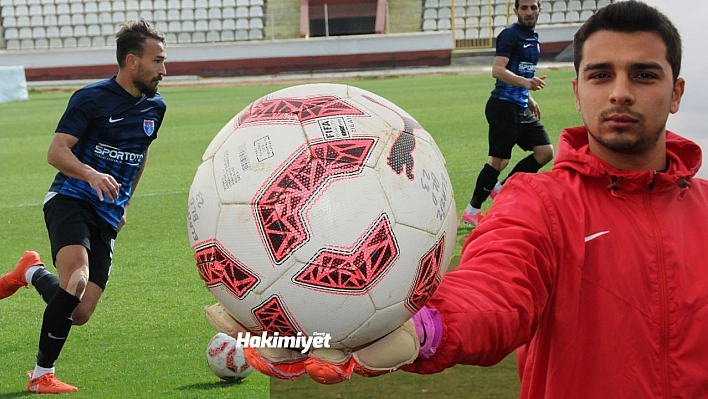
[{"x": 203, "y": 206}]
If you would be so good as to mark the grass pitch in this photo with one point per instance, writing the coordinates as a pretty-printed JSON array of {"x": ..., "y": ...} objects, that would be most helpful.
[{"x": 148, "y": 336}]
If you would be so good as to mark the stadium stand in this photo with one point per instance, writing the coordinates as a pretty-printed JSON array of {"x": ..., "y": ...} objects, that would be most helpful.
[
  {"x": 476, "y": 23},
  {"x": 42, "y": 24}
]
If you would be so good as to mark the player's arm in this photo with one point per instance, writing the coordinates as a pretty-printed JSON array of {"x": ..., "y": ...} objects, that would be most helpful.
[
  {"x": 499, "y": 71},
  {"x": 61, "y": 157}
]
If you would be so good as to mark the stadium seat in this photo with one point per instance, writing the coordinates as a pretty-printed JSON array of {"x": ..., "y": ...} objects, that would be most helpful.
[
  {"x": 188, "y": 4},
  {"x": 255, "y": 34},
  {"x": 429, "y": 24},
  {"x": 174, "y": 26},
  {"x": 444, "y": 12},
  {"x": 228, "y": 3},
  {"x": 93, "y": 30},
  {"x": 9, "y": 22},
  {"x": 201, "y": 13},
  {"x": 21, "y": 10},
  {"x": 544, "y": 18},
  {"x": 473, "y": 11},
  {"x": 500, "y": 20},
  {"x": 83, "y": 41},
  {"x": 11, "y": 33},
  {"x": 104, "y": 6},
  {"x": 159, "y": 5},
  {"x": 572, "y": 16},
  {"x": 228, "y": 12},
  {"x": 444, "y": 24},
  {"x": 228, "y": 24},
  {"x": 241, "y": 34},
  {"x": 227, "y": 36},
  {"x": 430, "y": 13},
  {"x": 108, "y": 30},
  {"x": 184, "y": 37},
  {"x": 77, "y": 19},
  {"x": 431, "y": 4},
  {"x": 90, "y": 6},
  {"x": 215, "y": 24},
  {"x": 460, "y": 11},
  {"x": 26, "y": 44},
  {"x": 39, "y": 32},
  {"x": 5, "y": 3},
  {"x": 172, "y": 14},
  {"x": 585, "y": 14},
  {"x": 500, "y": 9},
  {"x": 170, "y": 37},
  {"x": 50, "y": 20},
  {"x": 35, "y": 9},
  {"x": 242, "y": 12},
  {"x": 201, "y": 4},
  {"x": 471, "y": 33},
  {"x": 55, "y": 42},
  {"x": 198, "y": 37},
  {"x": 8, "y": 11},
  {"x": 98, "y": 41},
  {"x": 118, "y": 6},
  {"x": 602, "y": 3},
  {"x": 255, "y": 2},
  {"x": 215, "y": 3},
  {"x": 159, "y": 15},
  {"x": 187, "y": 14},
  {"x": 173, "y": 5},
  {"x": 557, "y": 17},
  {"x": 13, "y": 44},
  {"x": 255, "y": 23},
  {"x": 63, "y": 9},
  {"x": 79, "y": 30},
  {"x": 245, "y": 3},
  {"x": 256, "y": 11},
  {"x": 147, "y": 15},
  {"x": 69, "y": 42},
  {"x": 212, "y": 36},
  {"x": 444, "y": 3},
  {"x": 201, "y": 25},
  {"x": 215, "y": 13},
  {"x": 91, "y": 18},
  {"x": 242, "y": 23},
  {"x": 575, "y": 5},
  {"x": 36, "y": 20},
  {"x": 589, "y": 5},
  {"x": 146, "y": 5},
  {"x": 76, "y": 8},
  {"x": 23, "y": 21},
  {"x": 559, "y": 6},
  {"x": 161, "y": 26},
  {"x": 41, "y": 44},
  {"x": 471, "y": 22},
  {"x": 187, "y": 26}
]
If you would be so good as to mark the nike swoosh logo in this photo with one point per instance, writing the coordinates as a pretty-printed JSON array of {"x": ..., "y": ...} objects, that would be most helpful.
[
  {"x": 594, "y": 236},
  {"x": 527, "y": 45},
  {"x": 111, "y": 120},
  {"x": 146, "y": 109},
  {"x": 52, "y": 336},
  {"x": 424, "y": 338}
]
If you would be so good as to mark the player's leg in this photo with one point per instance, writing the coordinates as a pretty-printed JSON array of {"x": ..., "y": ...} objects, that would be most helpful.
[
  {"x": 502, "y": 138},
  {"x": 532, "y": 137}
]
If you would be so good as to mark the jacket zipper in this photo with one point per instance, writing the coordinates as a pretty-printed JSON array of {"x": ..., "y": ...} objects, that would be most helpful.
[{"x": 663, "y": 293}]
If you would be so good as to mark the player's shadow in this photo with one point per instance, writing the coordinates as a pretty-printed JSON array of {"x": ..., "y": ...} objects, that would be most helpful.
[
  {"x": 206, "y": 386},
  {"x": 19, "y": 394}
]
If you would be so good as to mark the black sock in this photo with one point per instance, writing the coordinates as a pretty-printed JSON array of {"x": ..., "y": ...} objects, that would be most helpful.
[
  {"x": 486, "y": 181},
  {"x": 55, "y": 327},
  {"x": 46, "y": 284},
  {"x": 526, "y": 165}
]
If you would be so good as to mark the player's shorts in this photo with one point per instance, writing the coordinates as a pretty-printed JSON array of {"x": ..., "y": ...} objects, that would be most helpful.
[
  {"x": 72, "y": 221},
  {"x": 511, "y": 124}
]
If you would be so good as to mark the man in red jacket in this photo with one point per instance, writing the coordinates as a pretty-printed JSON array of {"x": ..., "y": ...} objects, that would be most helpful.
[{"x": 596, "y": 270}]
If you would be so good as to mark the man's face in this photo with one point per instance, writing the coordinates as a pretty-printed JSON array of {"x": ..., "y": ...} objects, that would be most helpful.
[
  {"x": 528, "y": 13},
  {"x": 150, "y": 67},
  {"x": 625, "y": 92}
]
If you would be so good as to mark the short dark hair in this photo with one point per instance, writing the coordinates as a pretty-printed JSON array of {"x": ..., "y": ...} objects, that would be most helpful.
[
  {"x": 516, "y": 4},
  {"x": 131, "y": 37},
  {"x": 628, "y": 17}
]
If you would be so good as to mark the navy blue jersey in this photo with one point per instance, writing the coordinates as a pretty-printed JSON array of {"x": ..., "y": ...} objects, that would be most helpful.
[
  {"x": 521, "y": 47},
  {"x": 114, "y": 131}
]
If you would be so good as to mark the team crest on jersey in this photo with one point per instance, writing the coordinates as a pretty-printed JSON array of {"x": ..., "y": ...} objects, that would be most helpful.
[{"x": 148, "y": 127}]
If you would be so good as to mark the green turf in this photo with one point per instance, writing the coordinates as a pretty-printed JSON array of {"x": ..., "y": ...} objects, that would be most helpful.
[{"x": 148, "y": 336}]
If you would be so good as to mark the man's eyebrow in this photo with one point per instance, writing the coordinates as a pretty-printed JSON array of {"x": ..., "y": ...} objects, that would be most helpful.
[
  {"x": 597, "y": 66},
  {"x": 633, "y": 66}
]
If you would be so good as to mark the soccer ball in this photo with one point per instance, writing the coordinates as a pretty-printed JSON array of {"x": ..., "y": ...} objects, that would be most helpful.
[
  {"x": 322, "y": 209},
  {"x": 225, "y": 358}
]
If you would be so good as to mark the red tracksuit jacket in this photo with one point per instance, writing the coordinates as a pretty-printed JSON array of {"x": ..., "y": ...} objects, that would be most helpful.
[{"x": 599, "y": 276}]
